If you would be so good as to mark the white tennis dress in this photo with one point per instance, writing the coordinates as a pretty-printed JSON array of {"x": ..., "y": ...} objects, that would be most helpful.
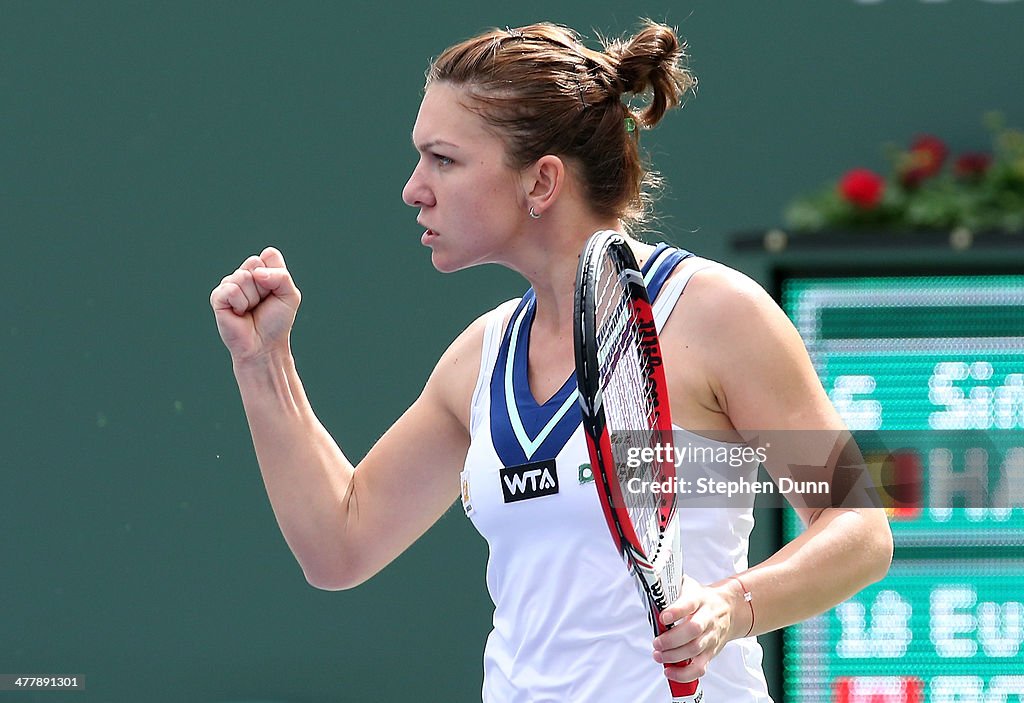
[{"x": 569, "y": 623}]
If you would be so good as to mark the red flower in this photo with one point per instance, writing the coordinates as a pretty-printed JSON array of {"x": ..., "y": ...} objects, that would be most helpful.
[
  {"x": 972, "y": 165},
  {"x": 927, "y": 153},
  {"x": 862, "y": 187}
]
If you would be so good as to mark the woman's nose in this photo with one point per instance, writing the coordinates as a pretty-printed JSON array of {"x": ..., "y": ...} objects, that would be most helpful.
[{"x": 416, "y": 193}]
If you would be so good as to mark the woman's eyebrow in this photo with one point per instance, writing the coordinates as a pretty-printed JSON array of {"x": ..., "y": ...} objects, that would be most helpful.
[{"x": 431, "y": 144}]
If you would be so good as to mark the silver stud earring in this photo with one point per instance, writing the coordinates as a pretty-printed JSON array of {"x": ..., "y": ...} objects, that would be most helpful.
[{"x": 533, "y": 214}]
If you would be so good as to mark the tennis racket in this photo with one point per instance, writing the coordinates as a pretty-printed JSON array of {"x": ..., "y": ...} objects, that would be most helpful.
[{"x": 624, "y": 400}]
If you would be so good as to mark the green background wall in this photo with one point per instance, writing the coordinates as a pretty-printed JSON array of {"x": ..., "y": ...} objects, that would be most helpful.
[{"x": 147, "y": 148}]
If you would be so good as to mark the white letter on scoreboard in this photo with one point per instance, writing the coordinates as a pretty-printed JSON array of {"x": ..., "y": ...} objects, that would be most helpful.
[
  {"x": 956, "y": 689},
  {"x": 1001, "y": 628},
  {"x": 1001, "y": 688},
  {"x": 948, "y": 620},
  {"x": 888, "y": 635}
]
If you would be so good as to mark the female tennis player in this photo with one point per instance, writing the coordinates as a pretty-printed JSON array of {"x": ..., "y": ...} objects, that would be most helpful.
[{"x": 526, "y": 147}]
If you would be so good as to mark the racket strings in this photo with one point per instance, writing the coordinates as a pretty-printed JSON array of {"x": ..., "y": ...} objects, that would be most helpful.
[{"x": 629, "y": 405}]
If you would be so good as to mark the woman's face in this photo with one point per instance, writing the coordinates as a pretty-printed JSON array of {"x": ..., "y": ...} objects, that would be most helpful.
[{"x": 471, "y": 203}]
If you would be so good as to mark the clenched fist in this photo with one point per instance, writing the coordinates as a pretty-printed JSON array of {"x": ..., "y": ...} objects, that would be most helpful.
[{"x": 255, "y": 306}]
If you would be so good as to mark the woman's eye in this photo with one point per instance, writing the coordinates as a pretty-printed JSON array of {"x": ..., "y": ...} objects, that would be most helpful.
[{"x": 442, "y": 160}]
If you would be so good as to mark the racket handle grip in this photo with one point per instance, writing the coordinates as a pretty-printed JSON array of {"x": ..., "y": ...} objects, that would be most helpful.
[{"x": 689, "y": 692}]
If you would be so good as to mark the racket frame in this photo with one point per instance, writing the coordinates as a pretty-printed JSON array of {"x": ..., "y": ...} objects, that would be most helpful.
[{"x": 647, "y": 569}]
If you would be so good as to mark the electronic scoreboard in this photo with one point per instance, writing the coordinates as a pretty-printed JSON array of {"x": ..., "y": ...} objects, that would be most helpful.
[{"x": 929, "y": 373}]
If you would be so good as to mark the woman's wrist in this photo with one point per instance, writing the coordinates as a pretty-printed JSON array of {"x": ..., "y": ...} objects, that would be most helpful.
[
  {"x": 741, "y": 602},
  {"x": 279, "y": 357},
  {"x": 267, "y": 376}
]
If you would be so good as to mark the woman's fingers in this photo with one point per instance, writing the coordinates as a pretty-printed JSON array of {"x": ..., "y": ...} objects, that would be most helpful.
[
  {"x": 229, "y": 296},
  {"x": 255, "y": 305}
]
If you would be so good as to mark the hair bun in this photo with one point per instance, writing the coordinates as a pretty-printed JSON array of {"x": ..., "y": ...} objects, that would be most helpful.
[{"x": 652, "y": 61}]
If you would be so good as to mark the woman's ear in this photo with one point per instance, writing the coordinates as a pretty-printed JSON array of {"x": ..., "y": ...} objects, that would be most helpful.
[{"x": 543, "y": 181}]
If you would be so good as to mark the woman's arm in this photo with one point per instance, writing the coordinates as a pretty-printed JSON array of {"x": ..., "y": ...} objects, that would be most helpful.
[
  {"x": 343, "y": 522},
  {"x": 762, "y": 379}
]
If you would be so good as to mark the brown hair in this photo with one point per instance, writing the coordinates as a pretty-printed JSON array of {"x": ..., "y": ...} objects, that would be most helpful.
[{"x": 544, "y": 92}]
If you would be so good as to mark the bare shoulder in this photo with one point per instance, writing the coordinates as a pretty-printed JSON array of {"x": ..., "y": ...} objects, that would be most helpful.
[
  {"x": 453, "y": 379},
  {"x": 747, "y": 351},
  {"x": 722, "y": 304},
  {"x": 715, "y": 287}
]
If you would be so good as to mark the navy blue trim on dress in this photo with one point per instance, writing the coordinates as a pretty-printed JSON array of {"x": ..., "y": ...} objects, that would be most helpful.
[{"x": 533, "y": 415}]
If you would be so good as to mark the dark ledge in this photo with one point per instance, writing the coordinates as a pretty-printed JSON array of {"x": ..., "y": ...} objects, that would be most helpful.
[{"x": 960, "y": 239}]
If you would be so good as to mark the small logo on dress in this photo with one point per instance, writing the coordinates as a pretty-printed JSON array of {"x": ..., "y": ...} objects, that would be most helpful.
[
  {"x": 586, "y": 474},
  {"x": 467, "y": 503},
  {"x": 529, "y": 481}
]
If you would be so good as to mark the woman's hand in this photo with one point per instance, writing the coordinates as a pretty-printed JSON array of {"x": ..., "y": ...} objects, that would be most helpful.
[
  {"x": 703, "y": 619},
  {"x": 255, "y": 306}
]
